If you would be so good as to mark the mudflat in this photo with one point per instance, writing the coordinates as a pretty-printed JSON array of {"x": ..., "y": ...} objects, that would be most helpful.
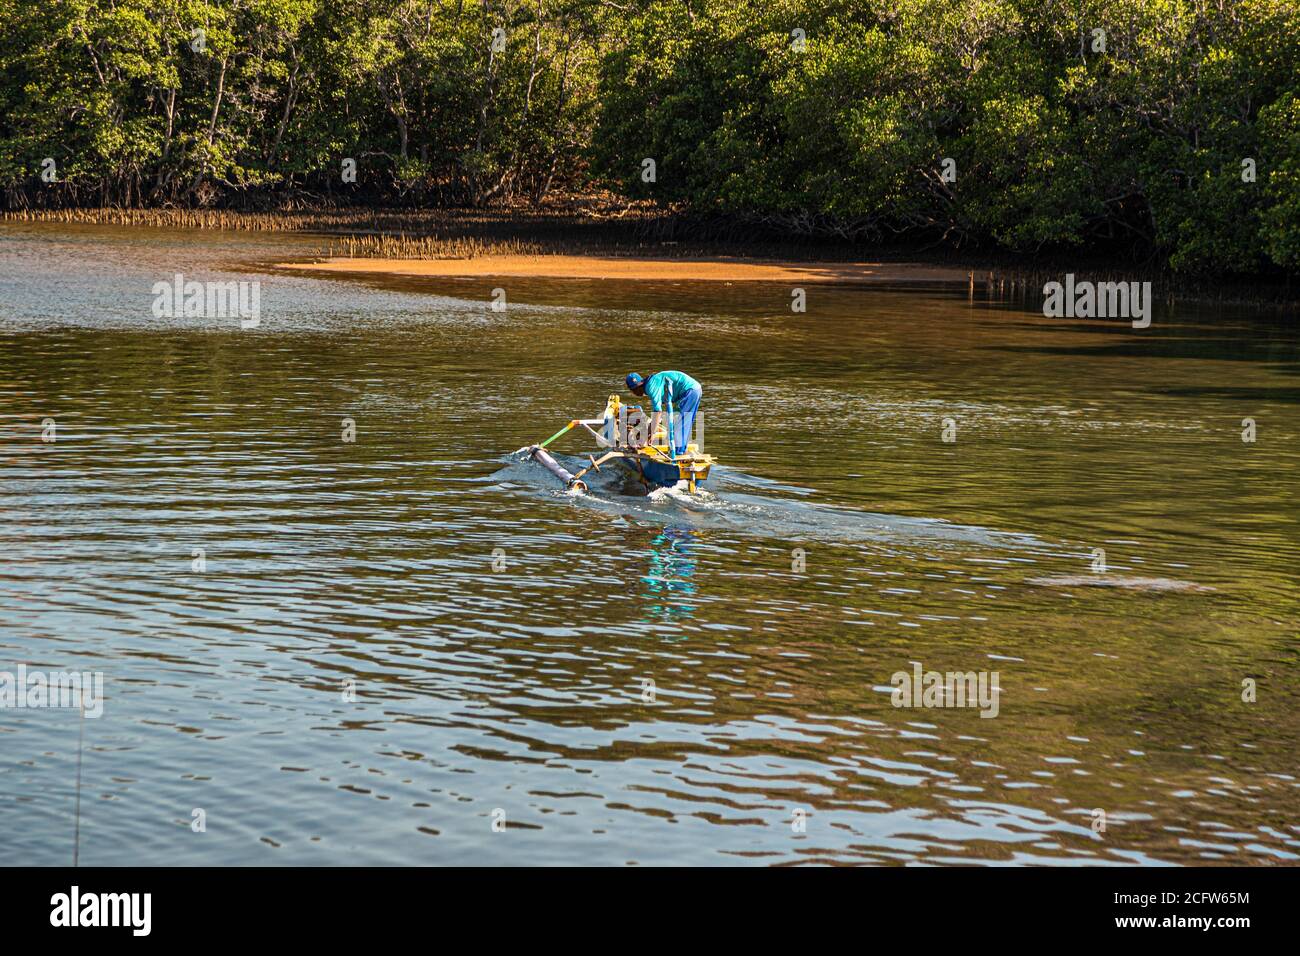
[{"x": 714, "y": 269}]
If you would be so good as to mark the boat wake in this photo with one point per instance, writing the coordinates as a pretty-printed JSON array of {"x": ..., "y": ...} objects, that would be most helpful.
[
  {"x": 678, "y": 494},
  {"x": 1126, "y": 582},
  {"x": 747, "y": 504}
]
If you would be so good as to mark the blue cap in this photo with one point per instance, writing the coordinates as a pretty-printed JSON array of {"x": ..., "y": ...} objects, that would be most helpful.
[{"x": 634, "y": 381}]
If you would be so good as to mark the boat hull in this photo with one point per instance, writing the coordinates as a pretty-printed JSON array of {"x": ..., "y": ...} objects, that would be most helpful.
[{"x": 657, "y": 473}]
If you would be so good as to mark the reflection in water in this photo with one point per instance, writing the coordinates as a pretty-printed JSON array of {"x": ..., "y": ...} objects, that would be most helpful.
[{"x": 670, "y": 578}]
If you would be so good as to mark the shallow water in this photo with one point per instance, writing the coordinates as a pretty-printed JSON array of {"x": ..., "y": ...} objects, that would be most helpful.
[{"x": 501, "y": 635}]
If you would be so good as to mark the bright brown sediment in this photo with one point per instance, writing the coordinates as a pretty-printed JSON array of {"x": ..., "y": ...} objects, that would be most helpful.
[{"x": 711, "y": 269}]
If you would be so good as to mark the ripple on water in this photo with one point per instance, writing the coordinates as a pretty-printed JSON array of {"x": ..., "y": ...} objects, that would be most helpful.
[{"x": 360, "y": 651}]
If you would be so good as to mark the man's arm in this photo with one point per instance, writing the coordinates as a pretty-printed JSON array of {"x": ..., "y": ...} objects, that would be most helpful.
[
  {"x": 654, "y": 391},
  {"x": 655, "y": 421}
]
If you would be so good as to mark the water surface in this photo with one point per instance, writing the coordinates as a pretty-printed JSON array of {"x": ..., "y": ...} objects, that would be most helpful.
[{"x": 501, "y": 636}]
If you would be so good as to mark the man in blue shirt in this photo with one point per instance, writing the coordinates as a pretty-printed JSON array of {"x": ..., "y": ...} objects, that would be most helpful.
[{"x": 675, "y": 387}]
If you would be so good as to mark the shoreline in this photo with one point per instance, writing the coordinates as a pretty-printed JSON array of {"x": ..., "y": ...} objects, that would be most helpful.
[
  {"x": 509, "y": 242},
  {"x": 650, "y": 269}
]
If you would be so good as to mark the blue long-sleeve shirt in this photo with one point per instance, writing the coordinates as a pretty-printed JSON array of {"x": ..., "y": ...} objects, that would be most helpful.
[{"x": 674, "y": 384}]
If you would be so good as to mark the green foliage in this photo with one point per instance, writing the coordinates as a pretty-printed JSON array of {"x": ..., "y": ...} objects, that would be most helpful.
[
  {"x": 135, "y": 106},
  {"x": 1060, "y": 137},
  {"x": 1057, "y": 140},
  {"x": 1280, "y": 159}
]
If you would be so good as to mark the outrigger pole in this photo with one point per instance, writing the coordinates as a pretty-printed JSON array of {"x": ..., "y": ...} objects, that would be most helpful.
[
  {"x": 554, "y": 467},
  {"x": 558, "y": 434},
  {"x": 559, "y": 471}
]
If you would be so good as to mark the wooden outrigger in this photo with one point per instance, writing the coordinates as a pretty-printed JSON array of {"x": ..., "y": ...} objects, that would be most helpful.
[{"x": 617, "y": 433}]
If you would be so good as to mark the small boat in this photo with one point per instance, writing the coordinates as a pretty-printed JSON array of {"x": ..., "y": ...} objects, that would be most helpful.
[{"x": 620, "y": 434}]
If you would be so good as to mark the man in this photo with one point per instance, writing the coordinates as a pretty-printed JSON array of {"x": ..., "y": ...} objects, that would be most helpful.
[{"x": 675, "y": 387}]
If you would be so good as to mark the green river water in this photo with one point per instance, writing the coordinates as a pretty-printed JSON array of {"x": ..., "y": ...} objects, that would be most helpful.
[{"x": 415, "y": 648}]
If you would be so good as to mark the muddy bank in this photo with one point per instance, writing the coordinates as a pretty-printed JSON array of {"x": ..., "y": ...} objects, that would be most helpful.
[{"x": 710, "y": 269}]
